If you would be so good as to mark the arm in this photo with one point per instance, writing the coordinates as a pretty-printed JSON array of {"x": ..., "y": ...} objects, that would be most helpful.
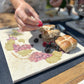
[
  {"x": 23, "y": 15},
  {"x": 16, "y": 3}
]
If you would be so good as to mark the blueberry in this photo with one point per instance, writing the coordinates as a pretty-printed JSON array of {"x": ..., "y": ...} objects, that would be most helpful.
[
  {"x": 40, "y": 35},
  {"x": 47, "y": 50},
  {"x": 57, "y": 48},
  {"x": 32, "y": 45},
  {"x": 36, "y": 40},
  {"x": 48, "y": 45},
  {"x": 53, "y": 45},
  {"x": 55, "y": 37},
  {"x": 60, "y": 49}
]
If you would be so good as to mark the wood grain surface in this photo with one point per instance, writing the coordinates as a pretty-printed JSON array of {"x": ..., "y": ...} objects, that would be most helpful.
[
  {"x": 77, "y": 80},
  {"x": 71, "y": 76},
  {"x": 7, "y": 20}
]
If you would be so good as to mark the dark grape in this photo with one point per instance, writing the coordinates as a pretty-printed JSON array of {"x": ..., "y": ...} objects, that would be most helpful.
[
  {"x": 36, "y": 40},
  {"x": 40, "y": 35},
  {"x": 57, "y": 48},
  {"x": 32, "y": 45},
  {"x": 48, "y": 45},
  {"x": 47, "y": 50},
  {"x": 53, "y": 45}
]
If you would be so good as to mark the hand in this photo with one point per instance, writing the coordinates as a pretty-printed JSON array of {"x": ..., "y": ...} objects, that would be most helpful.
[
  {"x": 23, "y": 15},
  {"x": 55, "y": 3}
]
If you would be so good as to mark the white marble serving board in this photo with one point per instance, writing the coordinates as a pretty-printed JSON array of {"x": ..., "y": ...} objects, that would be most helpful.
[
  {"x": 73, "y": 25},
  {"x": 23, "y": 68}
]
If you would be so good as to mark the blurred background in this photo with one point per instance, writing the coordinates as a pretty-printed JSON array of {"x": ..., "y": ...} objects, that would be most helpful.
[{"x": 43, "y": 8}]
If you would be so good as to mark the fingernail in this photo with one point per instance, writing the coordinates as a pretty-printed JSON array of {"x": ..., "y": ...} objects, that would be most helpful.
[{"x": 40, "y": 24}]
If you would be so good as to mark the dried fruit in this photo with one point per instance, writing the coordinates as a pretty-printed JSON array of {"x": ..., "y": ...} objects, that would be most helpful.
[
  {"x": 32, "y": 45},
  {"x": 44, "y": 44},
  {"x": 57, "y": 48},
  {"x": 47, "y": 50},
  {"x": 53, "y": 45},
  {"x": 40, "y": 35},
  {"x": 36, "y": 40},
  {"x": 48, "y": 45}
]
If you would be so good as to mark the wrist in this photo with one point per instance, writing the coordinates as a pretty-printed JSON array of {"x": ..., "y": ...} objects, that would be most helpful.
[
  {"x": 17, "y": 3},
  {"x": 20, "y": 3}
]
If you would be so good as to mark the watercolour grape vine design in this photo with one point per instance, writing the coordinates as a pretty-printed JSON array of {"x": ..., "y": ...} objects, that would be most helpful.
[{"x": 26, "y": 49}]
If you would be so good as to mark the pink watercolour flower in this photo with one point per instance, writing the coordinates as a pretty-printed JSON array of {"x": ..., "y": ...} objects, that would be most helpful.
[
  {"x": 13, "y": 38},
  {"x": 16, "y": 47},
  {"x": 37, "y": 56},
  {"x": 22, "y": 47}
]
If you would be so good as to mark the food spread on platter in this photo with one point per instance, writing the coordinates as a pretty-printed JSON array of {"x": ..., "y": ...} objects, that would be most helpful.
[
  {"x": 66, "y": 43},
  {"x": 52, "y": 42},
  {"x": 49, "y": 32},
  {"x": 52, "y": 39}
]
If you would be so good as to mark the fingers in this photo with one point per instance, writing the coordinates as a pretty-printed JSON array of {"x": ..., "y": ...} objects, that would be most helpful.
[
  {"x": 19, "y": 21},
  {"x": 55, "y": 3},
  {"x": 29, "y": 28},
  {"x": 20, "y": 27},
  {"x": 36, "y": 17},
  {"x": 34, "y": 14},
  {"x": 25, "y": 18},
  {"x": 25, "y": 27}
]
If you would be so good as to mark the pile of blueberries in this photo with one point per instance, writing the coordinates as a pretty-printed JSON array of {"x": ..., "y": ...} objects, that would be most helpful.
[
  {"x": 36, "y": 40},
  {"x": 51, "y": 46},
  {"x": 48, "y": 46}
]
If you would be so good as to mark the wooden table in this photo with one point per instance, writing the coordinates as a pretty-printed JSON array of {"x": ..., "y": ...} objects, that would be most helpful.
[
  {"x": 71, "y": 76},
  {"x": 7, "y": 20}
]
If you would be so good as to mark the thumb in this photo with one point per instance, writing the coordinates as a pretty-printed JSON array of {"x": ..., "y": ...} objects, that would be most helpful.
[{"x": 36, "y": 17}]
